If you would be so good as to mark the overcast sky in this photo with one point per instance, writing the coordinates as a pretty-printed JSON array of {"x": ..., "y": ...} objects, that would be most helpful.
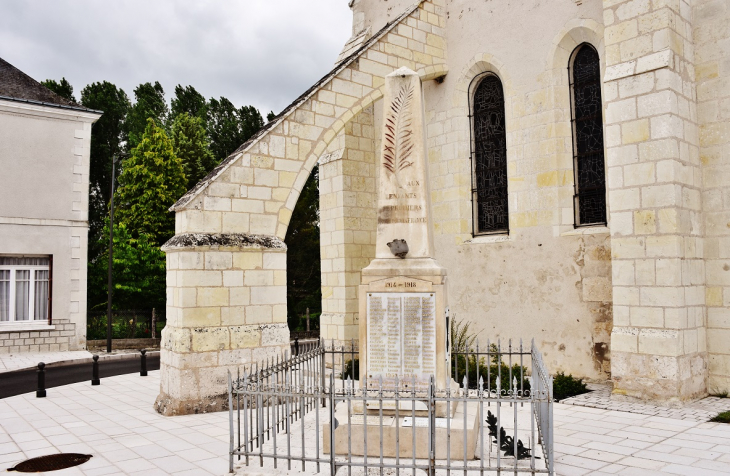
[{"x": 263, "y": 53}]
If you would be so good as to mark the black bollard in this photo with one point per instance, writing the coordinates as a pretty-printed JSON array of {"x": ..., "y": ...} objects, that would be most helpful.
[
  {"x": 41, "y": 392},
  {"x": 143, "y": 360},
  {"x": 95, "y": 371},
  {"x": 296, "y": 346}
]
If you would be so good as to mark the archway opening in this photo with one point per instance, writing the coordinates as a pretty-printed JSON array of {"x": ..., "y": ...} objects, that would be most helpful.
[{"x": 303, "y": 263}]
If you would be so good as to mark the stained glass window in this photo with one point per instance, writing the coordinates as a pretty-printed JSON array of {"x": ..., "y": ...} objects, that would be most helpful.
[
  {"x": 490, "y": 158},
  {"x": 589, "y": 166}
]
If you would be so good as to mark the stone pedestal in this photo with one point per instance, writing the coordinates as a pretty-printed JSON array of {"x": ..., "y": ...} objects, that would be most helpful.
[
  {"x": 226, "y": 308},
  {"x": 350, "y": 436}
]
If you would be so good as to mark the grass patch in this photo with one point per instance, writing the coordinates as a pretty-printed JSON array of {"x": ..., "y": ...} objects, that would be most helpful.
[
  {"x": 723, "y": 417},
  {"x": 566, "y": 386}
]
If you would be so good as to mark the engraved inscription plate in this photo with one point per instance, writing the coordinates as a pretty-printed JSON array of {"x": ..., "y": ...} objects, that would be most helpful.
[{"x": 401, "y": 338}]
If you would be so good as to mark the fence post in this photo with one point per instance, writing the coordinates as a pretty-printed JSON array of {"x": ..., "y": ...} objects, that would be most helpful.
[
  {"x": 296, "y": 346},
  {"x": 432, "y": 426},
  {"x": 153, "y": 326},
  {"x": 95, "y": 371},
  {"x": 230, "y": 423},
  {"x": 41, "y": 392},
  {"x": 143, "y": 362},
  {"x": 307, "y": 319},
  {"x": 323, "y": 354},
  {"x": 333, "y": 468}
]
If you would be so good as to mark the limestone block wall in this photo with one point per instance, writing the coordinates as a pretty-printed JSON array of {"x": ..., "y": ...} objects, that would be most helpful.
[
  {"x": 544, "y": 279},
  {"x": 712, "y": 69},
  {"x": 659, "y": 349},
  {"x": 348, "y": 221},
  {"x": 224, "y": 311}
]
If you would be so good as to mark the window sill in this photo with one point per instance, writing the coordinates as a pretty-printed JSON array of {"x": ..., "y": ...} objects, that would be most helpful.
[
  {"x": 588, "y": 230},
  {"x": 25, "y": 327},
  {"x": 479, "y": 239}
]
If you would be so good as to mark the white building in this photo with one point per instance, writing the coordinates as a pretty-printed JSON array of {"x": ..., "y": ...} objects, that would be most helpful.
[{"x": 44, "y": 187}]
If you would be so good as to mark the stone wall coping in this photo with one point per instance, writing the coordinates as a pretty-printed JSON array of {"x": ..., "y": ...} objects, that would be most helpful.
[{"x": 222, "y": 242}]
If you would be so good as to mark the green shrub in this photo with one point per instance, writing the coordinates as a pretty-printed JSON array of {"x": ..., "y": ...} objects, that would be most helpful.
[
  {"x": 488, "y": 373},
  {"x": 566, "y": 386},
  {"x": 723, "y": 417}
]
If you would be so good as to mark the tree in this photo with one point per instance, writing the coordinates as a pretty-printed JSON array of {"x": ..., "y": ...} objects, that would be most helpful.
[
  {"x": 229, "y": 127},
  {"x": 223, "y": 129},
  {"x": 62, "y": 88},
  {"x": 106, "y": 143},
  {"x": 303, "y": 258},
  {"x": 188, "y": 100},
  {"x": 150, "y": 105},
  {"x": 138, "y": 268},
  {"x": 270, "y": 116},
  {"x": 190, "y": 145},
  {"x": 251, "y": 122},
  {"x": 152, "y": 179}
]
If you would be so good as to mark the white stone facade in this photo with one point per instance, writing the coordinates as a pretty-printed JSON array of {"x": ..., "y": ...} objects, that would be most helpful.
[
  {"x": 642, "y": 301},
  {"x": 44, "y": 152}
]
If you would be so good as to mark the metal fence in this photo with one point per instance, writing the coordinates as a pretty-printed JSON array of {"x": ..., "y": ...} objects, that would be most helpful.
[
  {"x": 293, "y": 411},
  {"x": 126, "y": 324}
]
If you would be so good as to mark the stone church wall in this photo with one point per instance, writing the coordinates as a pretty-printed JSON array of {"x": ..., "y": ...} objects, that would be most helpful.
[
  {"x": 545, "y": 280},
  {"x": 712, "y": 69}
]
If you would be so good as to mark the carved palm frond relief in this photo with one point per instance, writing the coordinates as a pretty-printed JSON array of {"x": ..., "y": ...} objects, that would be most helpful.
[{"x": 399, "y": 145}]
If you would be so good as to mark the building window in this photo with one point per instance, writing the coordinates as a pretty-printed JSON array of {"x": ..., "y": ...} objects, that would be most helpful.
[
  {"x": 24, "y": 289},
  {"x": 589, "y": 200},
  {"x": 489, "y": 158}
]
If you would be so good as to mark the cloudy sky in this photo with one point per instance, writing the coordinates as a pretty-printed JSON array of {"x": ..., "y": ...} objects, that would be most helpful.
[{"x": 259, "y": 52}]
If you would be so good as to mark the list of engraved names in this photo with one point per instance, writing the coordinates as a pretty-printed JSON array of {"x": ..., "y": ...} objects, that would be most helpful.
[{"x": 401, "y": 336}]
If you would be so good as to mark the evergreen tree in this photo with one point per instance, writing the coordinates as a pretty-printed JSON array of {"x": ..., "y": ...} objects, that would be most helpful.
[
  {"x": 106, "y": 143},
  {"x": 63, "y": 88},
  {"x": 188, "y": 100},
  {"x": 303, "y": 258},
  {"x": 150, "y": 105},
  {"x": 191, "y": 146},
  {"x": 270, "y": 116},
  {"x": 152, "y": 180}
]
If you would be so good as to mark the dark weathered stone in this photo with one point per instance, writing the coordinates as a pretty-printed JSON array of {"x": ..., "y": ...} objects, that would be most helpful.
[{"x": 240, "y": 240}]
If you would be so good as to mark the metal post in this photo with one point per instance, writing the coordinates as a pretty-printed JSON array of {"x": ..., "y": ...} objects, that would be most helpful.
[
  {"x": 109, "y": 290},
  {"x": 41, "y": 392},
  {"x": 296, "y": 346},
  {"x": 143, "y": 361},
  {"x": 95, "y": 371}
]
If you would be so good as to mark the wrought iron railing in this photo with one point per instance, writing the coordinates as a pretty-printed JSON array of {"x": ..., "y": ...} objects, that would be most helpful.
[{"x": 281, "y": 413}]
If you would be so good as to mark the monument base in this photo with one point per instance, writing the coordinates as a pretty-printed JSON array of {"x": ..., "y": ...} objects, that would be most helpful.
[{"x": 350, "y": 438}]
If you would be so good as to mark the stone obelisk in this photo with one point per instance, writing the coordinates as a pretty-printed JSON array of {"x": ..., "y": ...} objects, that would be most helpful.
[{"x": 403, "y": 329}]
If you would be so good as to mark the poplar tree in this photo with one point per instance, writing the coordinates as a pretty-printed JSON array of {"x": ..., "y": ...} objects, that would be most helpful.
[
  {"x": 150, "y": 104},
  {"x": 63, "y": 88},
  {"x": 190, "y": 144},
  {"x": 152, "y": 180}
]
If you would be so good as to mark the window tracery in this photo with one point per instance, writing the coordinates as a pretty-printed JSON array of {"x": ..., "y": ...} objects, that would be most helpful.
[
  {"x": 589, "y": 163},
  {"x": 491, "y": 213}
]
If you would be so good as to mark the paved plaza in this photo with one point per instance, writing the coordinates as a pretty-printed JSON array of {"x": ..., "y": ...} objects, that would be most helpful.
[{"x": 116, "y": 423}]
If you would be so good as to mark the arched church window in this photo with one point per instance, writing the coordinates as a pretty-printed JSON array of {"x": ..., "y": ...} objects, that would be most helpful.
[
  {"x": 489, "y": 158},
  {"x": 588, "y": 161}
]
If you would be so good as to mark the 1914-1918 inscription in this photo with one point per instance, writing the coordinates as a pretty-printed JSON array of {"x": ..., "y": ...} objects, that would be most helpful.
[{"x": 401, "y": 337}]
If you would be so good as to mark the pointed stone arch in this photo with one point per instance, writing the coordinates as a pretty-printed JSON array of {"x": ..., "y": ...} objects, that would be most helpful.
[{"x": 226, "y": 265}]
